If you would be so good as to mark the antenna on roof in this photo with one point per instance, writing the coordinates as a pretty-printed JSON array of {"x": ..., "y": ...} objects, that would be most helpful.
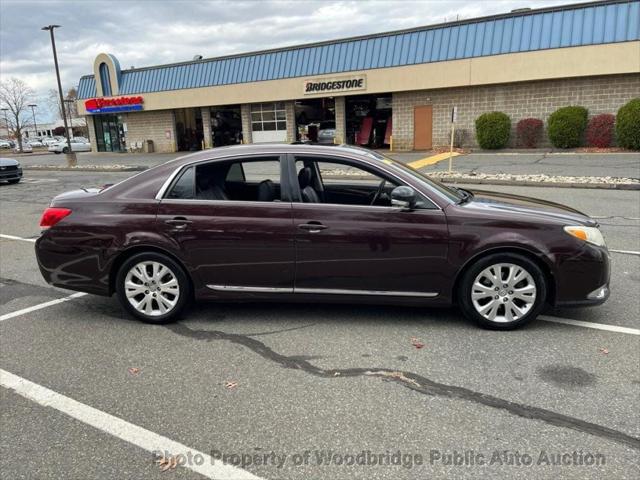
[
  {"x": 197, "y": 57},
  {"x": 519, "y": 10}
]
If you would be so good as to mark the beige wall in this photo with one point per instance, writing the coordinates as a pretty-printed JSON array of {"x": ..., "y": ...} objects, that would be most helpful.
[
  {"x": 143, "y": 126},
  {"x": 571, "y": 62},
  {"x": 518, "y": 100}
]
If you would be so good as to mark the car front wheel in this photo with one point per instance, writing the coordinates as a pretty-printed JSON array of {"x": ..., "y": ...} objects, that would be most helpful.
[
  {"x": 503, "y": 291},
  {"x": 65, "y": 150},
  {"x": 153, "y": 288}
]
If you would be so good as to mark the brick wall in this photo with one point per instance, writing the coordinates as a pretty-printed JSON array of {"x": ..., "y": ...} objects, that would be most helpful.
[
  {"x": 290, "y": 112},
  {"x": 520, "y": 100},
  {"x": 245, "y": 114},
  {"x": 152, "y": 125},
  {"x": 91, "y": 127},
  {"x": 206, "y": 126},
  {"x": 341, "y": 122}
]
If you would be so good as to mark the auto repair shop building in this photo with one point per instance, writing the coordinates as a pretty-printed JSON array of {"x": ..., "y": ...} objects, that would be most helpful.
[{"x": 396, "y": 87}]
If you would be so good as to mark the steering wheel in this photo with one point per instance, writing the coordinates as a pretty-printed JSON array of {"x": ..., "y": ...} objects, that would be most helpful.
[{"x": 378, "y": 192}]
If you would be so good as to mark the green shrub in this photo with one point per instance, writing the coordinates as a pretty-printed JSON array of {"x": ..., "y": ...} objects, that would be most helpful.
[
  {"x": 628, "y": 125},
  {"x": 493, "y": 130},
  {"x": 566, "y": 126}
]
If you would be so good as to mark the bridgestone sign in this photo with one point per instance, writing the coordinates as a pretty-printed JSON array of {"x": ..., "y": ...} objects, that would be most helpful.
[{"x": 330, "y": 85}]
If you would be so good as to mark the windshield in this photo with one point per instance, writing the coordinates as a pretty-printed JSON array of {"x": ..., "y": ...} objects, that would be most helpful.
[{"x": 447, "y": 192}]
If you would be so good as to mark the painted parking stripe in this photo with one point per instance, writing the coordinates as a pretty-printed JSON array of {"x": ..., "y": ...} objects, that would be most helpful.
[
  {"x": 40, "y": 306},
  {"x": 596, "y": 326},
  {"x": 13, "y": 237},
  {"x": 423, "y": 162},
  {"x": 626, "y": 252},
  {"x": 119, "y": 428}
]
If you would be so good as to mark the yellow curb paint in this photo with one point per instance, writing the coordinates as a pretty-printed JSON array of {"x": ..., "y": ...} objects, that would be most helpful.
[{"x": 423, "y": 162}]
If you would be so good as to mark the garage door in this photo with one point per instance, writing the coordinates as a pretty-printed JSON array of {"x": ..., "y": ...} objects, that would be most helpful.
[
  {"x": 268, "y": 122},
  {"x": 422, "y": 126}
]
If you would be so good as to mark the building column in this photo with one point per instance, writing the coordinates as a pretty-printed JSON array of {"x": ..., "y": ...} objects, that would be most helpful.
[
  {"x": 341, "y": 120},
  {"x": 290, "y": 111},
  {"x": 206, "y": 126},
  {"x": 245, "y": 114},
  {"x": 91, "y": 130}
]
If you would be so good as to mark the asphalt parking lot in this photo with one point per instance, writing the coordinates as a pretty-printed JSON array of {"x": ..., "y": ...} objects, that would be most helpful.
[{"x": 314, "y": 391}]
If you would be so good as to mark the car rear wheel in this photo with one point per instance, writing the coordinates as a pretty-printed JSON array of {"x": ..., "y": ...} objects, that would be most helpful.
[
  {"x": 503, "y": 291},
  {"x": 65, "y": 150},
  {"x": 15, "y": 180},
  {"x": 153, "y": 288}
]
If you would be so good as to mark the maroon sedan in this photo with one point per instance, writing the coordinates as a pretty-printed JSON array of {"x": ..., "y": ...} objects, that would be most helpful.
[{"x": 311, "y": 223}]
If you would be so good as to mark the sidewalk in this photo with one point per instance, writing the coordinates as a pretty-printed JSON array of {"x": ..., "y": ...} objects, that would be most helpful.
[{"x": 477, "y": 164}]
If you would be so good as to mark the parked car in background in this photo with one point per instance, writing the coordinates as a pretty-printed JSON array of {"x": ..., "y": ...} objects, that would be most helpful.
[
  {"x": 26, "y": 147},
  {"x": 62, "y": 147},
  {"x": 327, "y": 132},
  {"x": 80, "y": 139},
  {"x": 312, "y": 224},
  {"x": 46, "y": 141},
  {"x": 34, "y": 142},
  {"x": 10, "y": 170},
  {"x": 5, "y": 144}
]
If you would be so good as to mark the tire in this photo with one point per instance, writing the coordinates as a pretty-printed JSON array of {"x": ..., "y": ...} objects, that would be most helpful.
[
  {"x": 65, "y": 150},
  {"x": 162, "y": 305},
  {"x": 506, "y": 308},
  {"x": 57, "y": 153},
  {"x": 14, "y": 181}
]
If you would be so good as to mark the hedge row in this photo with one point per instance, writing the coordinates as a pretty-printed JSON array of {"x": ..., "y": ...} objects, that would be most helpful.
[{"x": 567, "y": 127}]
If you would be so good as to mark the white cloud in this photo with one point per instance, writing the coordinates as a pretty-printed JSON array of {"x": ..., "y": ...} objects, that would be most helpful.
[{"x": 141, "y": 33}]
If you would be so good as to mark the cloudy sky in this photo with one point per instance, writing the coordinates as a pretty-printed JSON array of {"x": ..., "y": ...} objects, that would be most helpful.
[{"x": 142, "y": 33}]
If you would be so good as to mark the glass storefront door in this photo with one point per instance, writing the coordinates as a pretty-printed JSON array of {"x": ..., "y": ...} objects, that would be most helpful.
[{"x": 109, "y": 133}]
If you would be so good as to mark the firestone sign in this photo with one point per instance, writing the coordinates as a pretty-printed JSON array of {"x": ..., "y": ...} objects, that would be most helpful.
[
  {"x": 335, "y": 85},
  {"x": 112, "y": 105}
]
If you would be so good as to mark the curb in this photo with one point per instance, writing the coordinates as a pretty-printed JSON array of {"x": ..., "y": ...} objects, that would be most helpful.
[
  {"x": 524, "y": 183},
  {"x": 458, "y": 180}
]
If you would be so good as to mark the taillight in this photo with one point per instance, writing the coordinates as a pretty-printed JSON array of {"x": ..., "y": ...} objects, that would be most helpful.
[{"x": 53, "y": 215}]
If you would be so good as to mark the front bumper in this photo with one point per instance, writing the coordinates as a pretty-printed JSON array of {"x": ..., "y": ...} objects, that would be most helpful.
[
  {"x": 583, "y": 279},
  {"x": 13, "y": 174}
]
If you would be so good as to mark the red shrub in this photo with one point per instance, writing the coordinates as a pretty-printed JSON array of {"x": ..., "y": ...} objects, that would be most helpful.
[
  {"x": 529, "y": 132},
  {"x": 600, "y": 130}
]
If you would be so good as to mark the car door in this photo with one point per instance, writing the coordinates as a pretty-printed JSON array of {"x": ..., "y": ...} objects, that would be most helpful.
[
  {"x": 231, "y": 240},
  {"x": 345, "y": 248}
]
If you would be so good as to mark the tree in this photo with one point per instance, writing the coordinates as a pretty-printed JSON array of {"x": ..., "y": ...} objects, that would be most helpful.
[
  {"x": 16, "y": 96},
  {"x": 53, "y": 99}
]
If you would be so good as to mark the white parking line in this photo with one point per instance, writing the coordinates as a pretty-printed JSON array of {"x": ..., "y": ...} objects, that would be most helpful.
[
  {"x": 596, "y": 326},
  {"x": 13, "y": 237},
  {"x": 119, "y": 428},
  {"x": 628, "y": 252},
  {"x": 40, "y": 306}
]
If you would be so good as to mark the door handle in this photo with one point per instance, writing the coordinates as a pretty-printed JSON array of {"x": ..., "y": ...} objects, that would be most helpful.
[
  {"x": 178, "y": 222},
  {"x": 312, "y": 227}
]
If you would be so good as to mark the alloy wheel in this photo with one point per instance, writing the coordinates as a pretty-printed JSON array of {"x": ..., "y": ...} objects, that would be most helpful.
[
  {"x": 504, "y": 292},
  {"x": 152, "y": 288}
]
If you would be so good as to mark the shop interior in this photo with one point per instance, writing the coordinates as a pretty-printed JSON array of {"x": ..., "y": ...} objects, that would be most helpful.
[
  {"x": 189, "y": 134},
  {"x": 226, "y": 126},
  {"x": 369, "y": 120},
  {"x": 315, "y": 120}
]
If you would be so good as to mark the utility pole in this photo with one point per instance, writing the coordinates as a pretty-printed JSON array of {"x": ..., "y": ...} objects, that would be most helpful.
[{"x": 71, "y": 156}]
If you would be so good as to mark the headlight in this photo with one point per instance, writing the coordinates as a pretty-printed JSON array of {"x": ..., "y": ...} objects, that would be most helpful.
[{"x": 587, "y": 234}]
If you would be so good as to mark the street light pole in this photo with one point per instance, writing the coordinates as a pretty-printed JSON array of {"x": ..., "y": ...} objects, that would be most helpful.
[
  {"x": 35, "y": 125},
  {"x": 68, "y": 101},
  {"x": 71, "y": 156}
]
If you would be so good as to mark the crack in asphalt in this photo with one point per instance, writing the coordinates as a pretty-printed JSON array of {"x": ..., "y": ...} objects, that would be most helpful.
[{"x": 414, "y": 382}]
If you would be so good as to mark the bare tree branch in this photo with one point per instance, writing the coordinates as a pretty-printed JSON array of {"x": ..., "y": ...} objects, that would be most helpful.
[{"x": 15, "y": 95}]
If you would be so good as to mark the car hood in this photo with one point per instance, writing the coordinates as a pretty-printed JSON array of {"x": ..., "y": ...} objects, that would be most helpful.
[
  {"x": 8, "y": 162},
  {"x": 516, "y": 204}
]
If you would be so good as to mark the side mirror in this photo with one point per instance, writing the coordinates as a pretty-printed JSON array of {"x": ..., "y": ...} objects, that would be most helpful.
[{"x": 403, "y": 197}]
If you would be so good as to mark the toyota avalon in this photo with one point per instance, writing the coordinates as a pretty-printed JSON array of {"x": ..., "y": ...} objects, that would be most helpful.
[{"x": 318, "y": 224}]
